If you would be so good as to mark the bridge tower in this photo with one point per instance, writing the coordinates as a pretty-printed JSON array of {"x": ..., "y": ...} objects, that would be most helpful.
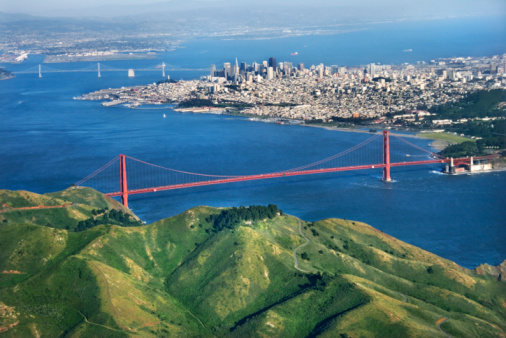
[
  {"x": 123, "y": 178},
  {"x": 99, "y": 70},
  {"x": 386, "y": 157},
  {"x": 163, "y": 69},
  {"x": 40, "y": 70}
]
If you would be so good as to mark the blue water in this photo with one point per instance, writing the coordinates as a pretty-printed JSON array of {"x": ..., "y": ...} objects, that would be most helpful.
[
  {"x": 379, "y": 43},
  {"x": 50, "y": 141}
]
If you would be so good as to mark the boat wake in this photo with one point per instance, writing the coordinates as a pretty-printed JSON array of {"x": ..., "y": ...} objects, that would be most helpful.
[{"x": 437, "y": 172}]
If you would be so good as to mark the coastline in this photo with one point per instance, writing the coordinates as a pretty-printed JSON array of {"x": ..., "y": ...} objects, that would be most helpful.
[
  {"x": 439, "y": 144},
  {"x": 436, "y": 144},
  {"x": 355, "y": 130}
]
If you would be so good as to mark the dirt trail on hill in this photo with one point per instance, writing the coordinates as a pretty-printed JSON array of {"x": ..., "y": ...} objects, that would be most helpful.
[
  {"x": 39, "y": 207},
  {"x": 438, "y": 325},
  {"x": 300, "y": 247}
]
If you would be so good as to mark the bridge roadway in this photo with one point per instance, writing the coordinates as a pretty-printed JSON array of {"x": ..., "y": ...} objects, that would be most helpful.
[{"x": 456, "y": 161}]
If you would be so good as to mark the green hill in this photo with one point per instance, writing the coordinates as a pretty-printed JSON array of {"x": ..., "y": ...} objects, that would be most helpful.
[{"x": 209, "y": 272}]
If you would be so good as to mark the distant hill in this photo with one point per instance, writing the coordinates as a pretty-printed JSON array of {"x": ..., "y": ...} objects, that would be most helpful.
[{"x": 226, "y": 272}]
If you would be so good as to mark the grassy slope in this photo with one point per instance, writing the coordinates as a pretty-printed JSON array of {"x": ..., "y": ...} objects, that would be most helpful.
[
  {"x": 176, "y": 277},
  {"x": 445, "y": 137},
  {"x": 78, "y": 204}
]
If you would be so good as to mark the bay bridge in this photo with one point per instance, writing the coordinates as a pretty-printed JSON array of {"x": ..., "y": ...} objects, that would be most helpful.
[
  {"x": 143, "y": 177},
  {"x": 100, "y": 68}
]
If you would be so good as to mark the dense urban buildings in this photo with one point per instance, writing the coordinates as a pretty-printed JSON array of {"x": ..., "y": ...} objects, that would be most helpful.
[{"x": 280, "y": 90}]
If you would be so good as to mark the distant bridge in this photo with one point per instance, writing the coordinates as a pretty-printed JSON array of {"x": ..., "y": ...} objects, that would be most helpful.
[
  {"x": 146, "y": 177},
  {"x": 100, "y": 68}
]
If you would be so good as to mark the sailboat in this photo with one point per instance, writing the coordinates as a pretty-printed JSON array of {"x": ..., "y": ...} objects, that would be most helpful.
[{"x": 164, "y": 116}]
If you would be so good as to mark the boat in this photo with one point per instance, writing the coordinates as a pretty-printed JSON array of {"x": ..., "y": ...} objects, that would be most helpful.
[
  {"x": 164, "y": 116},
  {"x": 296, "y": 53},
  {"x": 407, "y": 50}
]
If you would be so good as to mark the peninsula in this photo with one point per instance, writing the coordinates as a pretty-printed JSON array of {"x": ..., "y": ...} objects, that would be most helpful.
[{"x": 81, "y": 264}]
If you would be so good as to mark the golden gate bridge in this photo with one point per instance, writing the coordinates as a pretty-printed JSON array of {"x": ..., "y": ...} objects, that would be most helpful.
[
  {"x": 100, "y": 68},
  {"x": 144, "y": 177}
]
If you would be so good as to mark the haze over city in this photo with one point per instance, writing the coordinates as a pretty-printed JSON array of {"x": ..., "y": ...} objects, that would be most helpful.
[{"x": 362, "y": 9}]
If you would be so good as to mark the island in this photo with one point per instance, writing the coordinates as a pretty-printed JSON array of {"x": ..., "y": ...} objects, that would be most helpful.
[{"x": 5, "y": 74}]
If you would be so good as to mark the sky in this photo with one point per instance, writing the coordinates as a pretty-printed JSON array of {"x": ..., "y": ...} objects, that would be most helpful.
[{"x": 122, "y": 7}]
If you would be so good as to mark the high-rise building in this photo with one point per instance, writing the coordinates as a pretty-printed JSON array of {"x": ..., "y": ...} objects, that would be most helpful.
[
  {"x": 372, "y": 70},
  {"x": 227, "y": 69},
  {"x": 272, "y": 62},
  {"x": 493, "y": 68},
  {"x": 243, "y": 68},
  {"x": 300, "y": 67},
  {"x": 270, "y": 73},
  {"x": 212, "y": 70}
]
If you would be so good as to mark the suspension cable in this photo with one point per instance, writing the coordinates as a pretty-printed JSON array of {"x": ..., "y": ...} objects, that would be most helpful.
[
  {"x": 369, "y": 140},
  {"x": 96, "y": 172},
  {"x": 417, "y": 147},
  {"x": 180, "y": 171}
]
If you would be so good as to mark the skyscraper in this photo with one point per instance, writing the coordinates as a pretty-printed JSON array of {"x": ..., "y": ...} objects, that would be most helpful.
[
  {"x": 244, "y": 68},
  {"x": 270, "y": 73},
  {"x": 372, "y": 70},
  {"x": 493, "y": 68},
  {"x": 212, "y": 70},
  {"x": 272, "y": 62},
  {"x": 227, "y": 69}
]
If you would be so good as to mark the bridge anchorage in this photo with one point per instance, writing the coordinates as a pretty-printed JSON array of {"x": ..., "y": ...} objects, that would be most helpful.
[{"x": 145, "y": 177}]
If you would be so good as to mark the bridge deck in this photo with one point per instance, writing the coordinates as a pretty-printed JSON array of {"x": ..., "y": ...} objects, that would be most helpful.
[
  {"x": 277, "y": 175},
  {"x": 457, "y": 161}
]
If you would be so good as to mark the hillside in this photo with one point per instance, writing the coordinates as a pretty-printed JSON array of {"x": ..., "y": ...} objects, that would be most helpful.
[{"x": 208, "y": 272}]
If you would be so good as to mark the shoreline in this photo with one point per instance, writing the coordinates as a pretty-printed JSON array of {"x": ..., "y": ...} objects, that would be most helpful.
[
  {"x": 436, "y": 144},
  {"x": 439, "y": 145},
  {"x": 355, "y": 130}
]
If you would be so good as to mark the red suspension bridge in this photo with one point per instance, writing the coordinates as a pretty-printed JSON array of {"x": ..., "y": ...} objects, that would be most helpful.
[{"x": 145, "y": 177}]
